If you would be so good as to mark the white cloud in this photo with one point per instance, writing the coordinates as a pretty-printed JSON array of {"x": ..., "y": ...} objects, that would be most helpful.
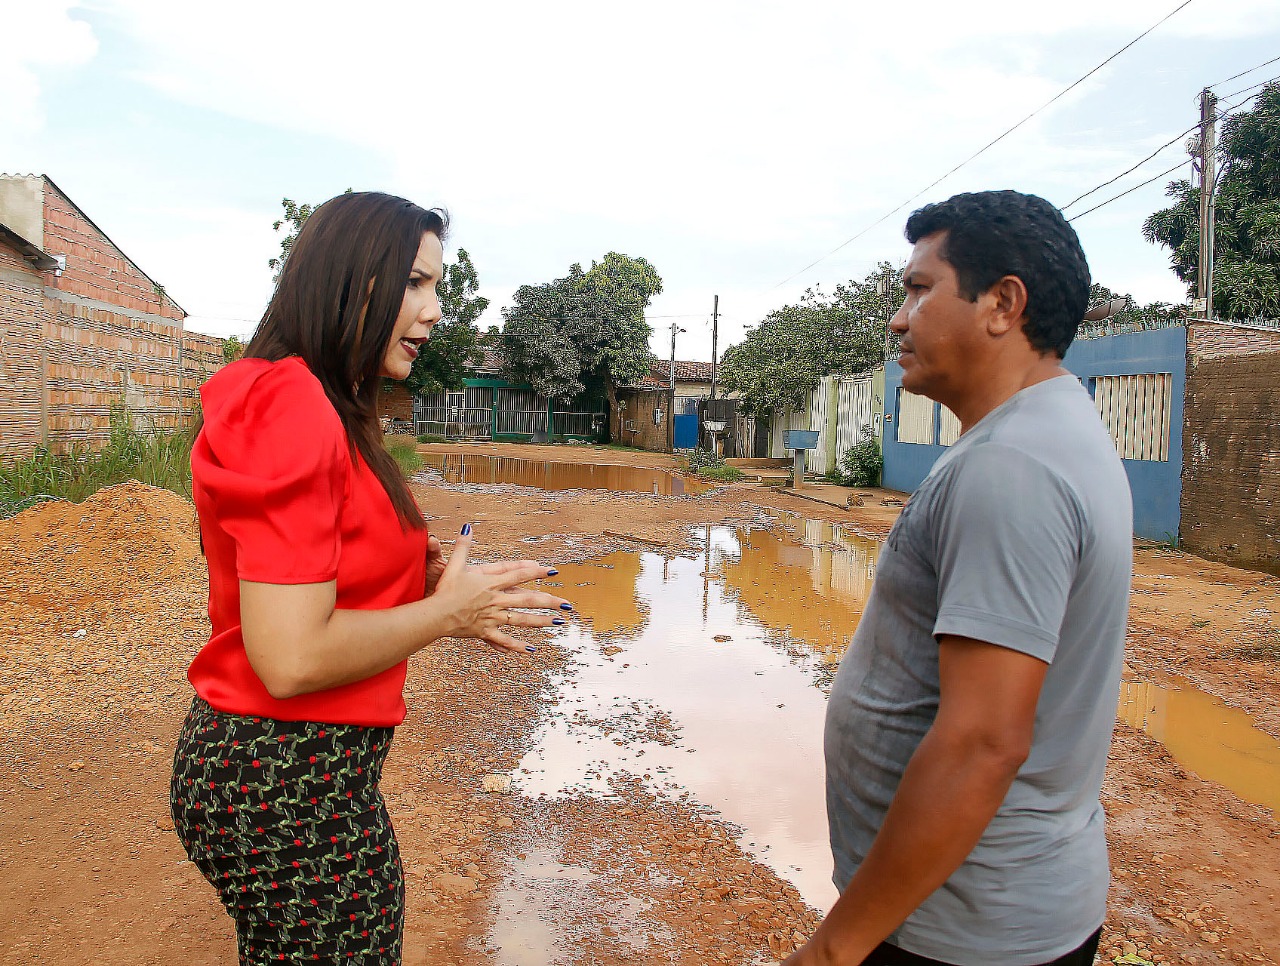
[
  {"x": 43, "y": 38},
  {"x": 731, "y": 143}
]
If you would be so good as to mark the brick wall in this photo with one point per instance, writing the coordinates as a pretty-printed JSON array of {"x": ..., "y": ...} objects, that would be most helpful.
[
  {"x": 395, "y": 402},
  {"x": 23, "y": 316},
  {"x": 1231, "y": 446},
  {"x": 95, "y": 339},
  {"x": 639, "y": 412},
  {"x": 96, "y": 269}
]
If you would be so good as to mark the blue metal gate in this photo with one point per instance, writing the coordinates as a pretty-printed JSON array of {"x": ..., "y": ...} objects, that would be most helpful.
[{"x": 686, "y": 431}]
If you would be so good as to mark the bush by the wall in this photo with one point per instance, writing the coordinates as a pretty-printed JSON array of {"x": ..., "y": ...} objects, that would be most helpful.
[{"x": 861, "y": 464}]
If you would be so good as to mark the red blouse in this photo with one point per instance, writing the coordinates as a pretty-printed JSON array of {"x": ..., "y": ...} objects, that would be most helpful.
[{"x": 281, "y": 500}]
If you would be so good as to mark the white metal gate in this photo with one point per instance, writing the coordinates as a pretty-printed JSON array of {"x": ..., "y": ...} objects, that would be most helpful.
[
  {"x": 855, "y": 405},
  {"x": 821, "y": 419}
]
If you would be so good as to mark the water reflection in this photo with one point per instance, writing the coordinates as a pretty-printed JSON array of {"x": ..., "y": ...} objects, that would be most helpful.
[
  {"x": 681, "y": 685},
  {"x": 1218, "y": 743},
  {"x": 530, "y": 910},
  {"x": 681, "y": 681},
  {"x": 810, "y": 580},
  {"x": 479, "y": 468}
]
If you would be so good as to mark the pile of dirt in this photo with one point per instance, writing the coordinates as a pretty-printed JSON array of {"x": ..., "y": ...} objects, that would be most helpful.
[
  {"x": 101, "y": 602},
  {"x": 116, "y": 538}
]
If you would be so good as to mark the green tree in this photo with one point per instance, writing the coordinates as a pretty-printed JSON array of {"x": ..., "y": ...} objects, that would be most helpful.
[
  {"x": 443, "y": 360},
  {"x": 782, "y": 358},
  {"x": 1246, "y": 234},
  {"x": 585, "y": 333}
]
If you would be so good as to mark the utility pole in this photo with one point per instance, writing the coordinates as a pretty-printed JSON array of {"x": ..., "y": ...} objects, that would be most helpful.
[
  {"x": 715, "y": 328},
  {"x": 671, "y": 410},
  {"x": 1208, "y": 183},
  {"x": 882, "y": 289}
]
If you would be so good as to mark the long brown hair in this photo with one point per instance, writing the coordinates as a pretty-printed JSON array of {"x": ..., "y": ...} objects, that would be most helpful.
[{"x": 336, "y": 306}]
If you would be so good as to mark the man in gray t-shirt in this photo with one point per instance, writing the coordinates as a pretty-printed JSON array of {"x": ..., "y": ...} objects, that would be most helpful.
[{"x": 968, "y": 727}]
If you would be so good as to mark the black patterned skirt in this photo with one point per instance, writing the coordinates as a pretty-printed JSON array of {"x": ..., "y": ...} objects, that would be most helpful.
[{"x": 285, "y": 819}]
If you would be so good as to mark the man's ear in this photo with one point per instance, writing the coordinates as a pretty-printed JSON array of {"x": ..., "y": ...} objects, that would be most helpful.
[{"x": 1008, "y": 305}]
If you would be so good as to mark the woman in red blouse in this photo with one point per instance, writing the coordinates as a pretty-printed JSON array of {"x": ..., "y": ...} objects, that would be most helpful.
[{"x": 323, "y": 581}]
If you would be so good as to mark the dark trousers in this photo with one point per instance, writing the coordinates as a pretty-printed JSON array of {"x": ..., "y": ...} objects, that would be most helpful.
[{"x": 887, "y": 955}]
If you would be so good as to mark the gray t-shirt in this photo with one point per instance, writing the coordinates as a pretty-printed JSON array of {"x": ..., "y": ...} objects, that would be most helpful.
[{"x": 1020, "y": 536}]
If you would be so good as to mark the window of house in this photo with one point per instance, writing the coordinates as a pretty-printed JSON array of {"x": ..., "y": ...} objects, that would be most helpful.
[
  {"x": 948, "y": 426},
  {"x": 915, "y": 418},
  {"x": 1136, "y": 411}
]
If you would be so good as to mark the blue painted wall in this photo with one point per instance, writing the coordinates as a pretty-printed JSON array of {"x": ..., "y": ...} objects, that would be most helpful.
[
  {"x": 905, "y": 464},
  {"x": 1156, "y": 486}
]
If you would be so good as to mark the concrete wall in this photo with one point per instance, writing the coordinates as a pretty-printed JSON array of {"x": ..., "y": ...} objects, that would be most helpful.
[
  {"x": 22, "y": 206},
  {"x": 1231, "y": 478},
  {"x": 1156, "y": 485}
]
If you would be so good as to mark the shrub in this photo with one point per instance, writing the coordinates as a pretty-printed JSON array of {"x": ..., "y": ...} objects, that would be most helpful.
[
  {"x": 861, "y": 464},
  {"x": 711, "y": 466},
  {"x": 700, "y": 459},
  {"x": 725, "y": 474},
  {"x": 430, "y": 438}
]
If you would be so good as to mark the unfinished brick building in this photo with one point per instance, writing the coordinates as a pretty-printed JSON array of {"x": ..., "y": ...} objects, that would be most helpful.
[{"x": 84, "y": 332}]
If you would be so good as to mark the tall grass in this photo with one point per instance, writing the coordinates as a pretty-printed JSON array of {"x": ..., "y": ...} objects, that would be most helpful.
[
  {"x": 157, "y": 457},
  {"x": 405, "y": 451}
]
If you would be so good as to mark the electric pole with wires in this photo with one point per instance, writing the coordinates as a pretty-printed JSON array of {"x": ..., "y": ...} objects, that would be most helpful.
[{"x": 1206, "y": 149}]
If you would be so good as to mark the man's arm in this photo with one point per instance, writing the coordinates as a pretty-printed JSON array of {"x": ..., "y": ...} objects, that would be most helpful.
[{"x": 950, "y": 791}]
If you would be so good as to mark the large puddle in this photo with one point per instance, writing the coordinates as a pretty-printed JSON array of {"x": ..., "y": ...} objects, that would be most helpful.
[
  {"x": 706, "y": 678},
  {"x": 698, "y": 676},
  {"x": 480, "y": 468},
  {"x": 1216, "y": 742}
]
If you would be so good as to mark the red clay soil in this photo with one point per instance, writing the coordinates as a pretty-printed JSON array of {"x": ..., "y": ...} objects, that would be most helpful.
[{"x": 102, "y": 605}]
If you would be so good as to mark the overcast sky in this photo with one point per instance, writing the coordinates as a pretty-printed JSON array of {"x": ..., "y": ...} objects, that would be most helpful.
[{"x": 729, "y": 143}]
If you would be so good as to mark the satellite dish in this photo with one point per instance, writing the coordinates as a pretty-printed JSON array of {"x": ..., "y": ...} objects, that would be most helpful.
[{"x": 1104, "y": 310}]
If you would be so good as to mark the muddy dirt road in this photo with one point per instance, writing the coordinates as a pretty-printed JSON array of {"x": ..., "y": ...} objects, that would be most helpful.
[{"x": 632, "y": 831}]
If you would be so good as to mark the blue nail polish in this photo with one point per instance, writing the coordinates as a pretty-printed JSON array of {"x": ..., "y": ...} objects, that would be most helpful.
[
  {"x": 557, "y": 620},
  {"x": 552, "y": 573},
  {"x": 466, "y": 529},
  {"x": 530, "y": 648},
  {"x": 566, "y": 607}
]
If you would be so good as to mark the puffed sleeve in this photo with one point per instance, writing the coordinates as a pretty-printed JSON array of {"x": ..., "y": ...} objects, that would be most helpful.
[{"x": 273, "y": 463}]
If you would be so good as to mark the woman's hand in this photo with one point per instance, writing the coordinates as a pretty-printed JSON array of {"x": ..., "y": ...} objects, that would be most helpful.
[
  {"x": 436, "y": 562},
  {"x": 481, "y": 600}
]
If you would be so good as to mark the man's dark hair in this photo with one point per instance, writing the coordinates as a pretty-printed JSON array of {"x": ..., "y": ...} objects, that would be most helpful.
[{"x": 991, "y": 234}]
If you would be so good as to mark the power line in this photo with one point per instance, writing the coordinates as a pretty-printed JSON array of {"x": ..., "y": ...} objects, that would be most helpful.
[
  {"x": 1243, "y": 89},
  {"x": 1103, "y": 204},
  {"x": 1165, "y": 172},
  {"x": 987, "y": 146},
  {"x": 1243, "y": 72},
  {"x": 1224, "y": 112}
]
